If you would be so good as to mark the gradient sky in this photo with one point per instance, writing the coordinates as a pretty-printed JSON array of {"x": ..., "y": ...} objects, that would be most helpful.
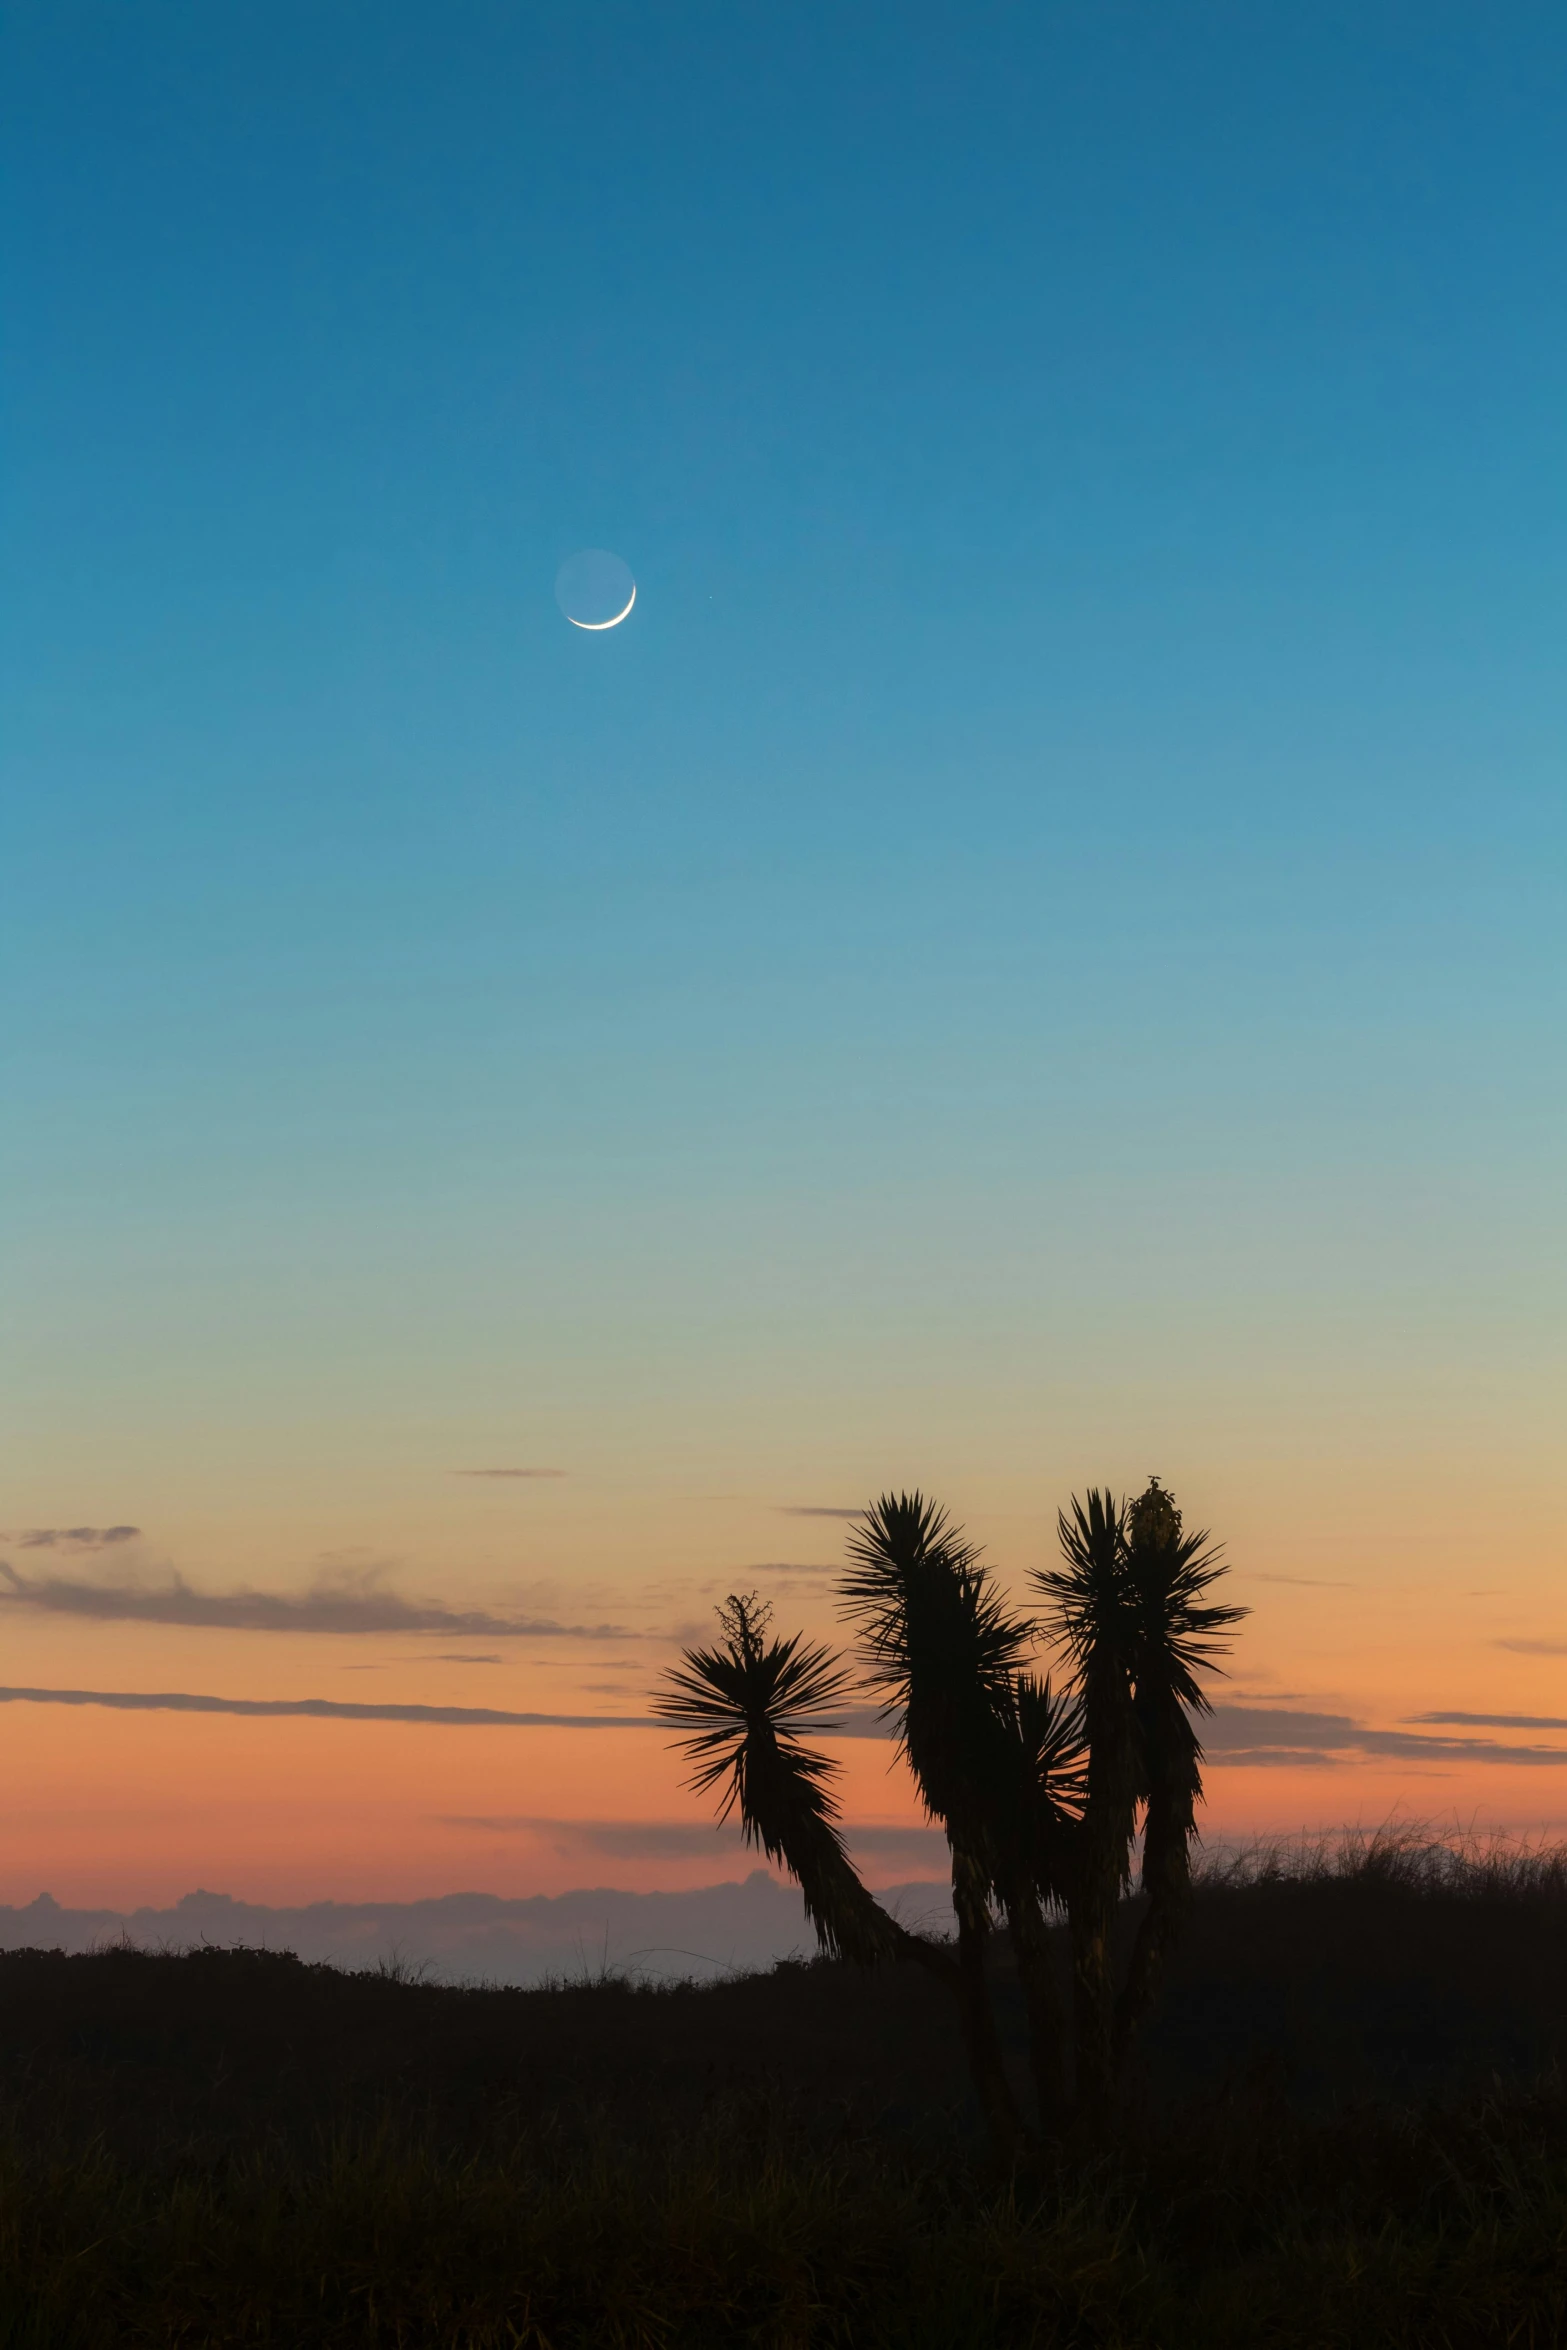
[{"x": 1034, "y": 957}]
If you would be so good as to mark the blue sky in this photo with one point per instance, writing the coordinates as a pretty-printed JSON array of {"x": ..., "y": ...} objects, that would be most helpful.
[
  {"x": 1053, "y": 904},
  {"x": 1096, "y": 481}
]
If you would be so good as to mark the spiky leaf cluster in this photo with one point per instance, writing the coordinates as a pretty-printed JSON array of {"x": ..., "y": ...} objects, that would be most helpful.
[
  {"x": 994, "y": 1753},
  {"x": 1128, "y": 1606},
  {"x": 940, "y": 1648},
  {"x": 744, "y": 1706},
  {"x": 747, "y": 1703}
]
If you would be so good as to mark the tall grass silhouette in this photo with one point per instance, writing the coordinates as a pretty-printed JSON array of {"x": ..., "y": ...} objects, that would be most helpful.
[{"x": 1345, "y": 2124}]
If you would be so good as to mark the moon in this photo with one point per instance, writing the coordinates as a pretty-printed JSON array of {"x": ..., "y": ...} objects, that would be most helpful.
[
  {"x": 594, "y": 589},
  {"x": 614, "y": 623}
]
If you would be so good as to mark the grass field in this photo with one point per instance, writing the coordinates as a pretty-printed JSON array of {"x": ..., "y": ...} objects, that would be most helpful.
[{"x": 1349, "y": 2128}]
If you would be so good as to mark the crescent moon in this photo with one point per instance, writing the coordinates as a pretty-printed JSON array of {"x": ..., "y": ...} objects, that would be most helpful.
[{"x": 597, "y": 624}]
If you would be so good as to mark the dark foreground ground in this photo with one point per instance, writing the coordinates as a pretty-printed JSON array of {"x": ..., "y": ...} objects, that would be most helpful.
[{"x": 1349, "y": 2127}]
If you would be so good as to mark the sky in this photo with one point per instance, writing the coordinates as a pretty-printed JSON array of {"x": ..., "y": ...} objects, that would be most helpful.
[{"x": 1034, "y": 957}]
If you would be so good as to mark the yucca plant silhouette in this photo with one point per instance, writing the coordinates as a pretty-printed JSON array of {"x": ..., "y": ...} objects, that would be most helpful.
[
  {"x": 747, "y": 1701},
  {"x": 1040, "y": 1791},
  {"x": 1176, "y": 1633},
  {"x": 993, "y": 1754},
  {"x": 1089, "y": 1616}
]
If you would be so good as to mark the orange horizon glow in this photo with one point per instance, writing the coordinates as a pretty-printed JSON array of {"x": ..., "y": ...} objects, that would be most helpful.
[{"x": 122, "y": 1809}]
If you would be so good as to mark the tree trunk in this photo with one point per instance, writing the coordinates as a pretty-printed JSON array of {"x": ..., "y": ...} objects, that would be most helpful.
[
  {"x": 1093, "y": 2006},
  {"x": 982, "y": 2043},
  {"x": 1168, "y": 1828},
  {"x": 1042, "y": 2004},
  {"x": 1100, "y": 1874},
  {"x": 851, "y": 1922},
  {"x": 1156, "y": 1932}
]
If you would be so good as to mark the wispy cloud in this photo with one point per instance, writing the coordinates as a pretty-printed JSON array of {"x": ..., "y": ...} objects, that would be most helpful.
[
  {"x": 680, "y": 1839},
  {"x": 617, "y": 1839},
  {"x": 855, "y": 1724},
  {"x": 1262, "y": 1735},
  {"x": 325, "y": 1709},
  {"x": 1533, "y": 1647},
  {"x": 508, "y": 1472},
  {"x": 1252, "y": 1735},
  {"x": 387, "y": 1664},
  {"x": 1497, "y": 1721},
  {"x": 815, "y": 1509},
  {"x": 785, "y": 1567},
  {"x": 1259, "y": 1735},
  {"x": 865, "y": 1721},
  {"x": 354, "y": 1606},
  {"x": 73, "y": 1537},
  {"x": 900, "y": 1843}
]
